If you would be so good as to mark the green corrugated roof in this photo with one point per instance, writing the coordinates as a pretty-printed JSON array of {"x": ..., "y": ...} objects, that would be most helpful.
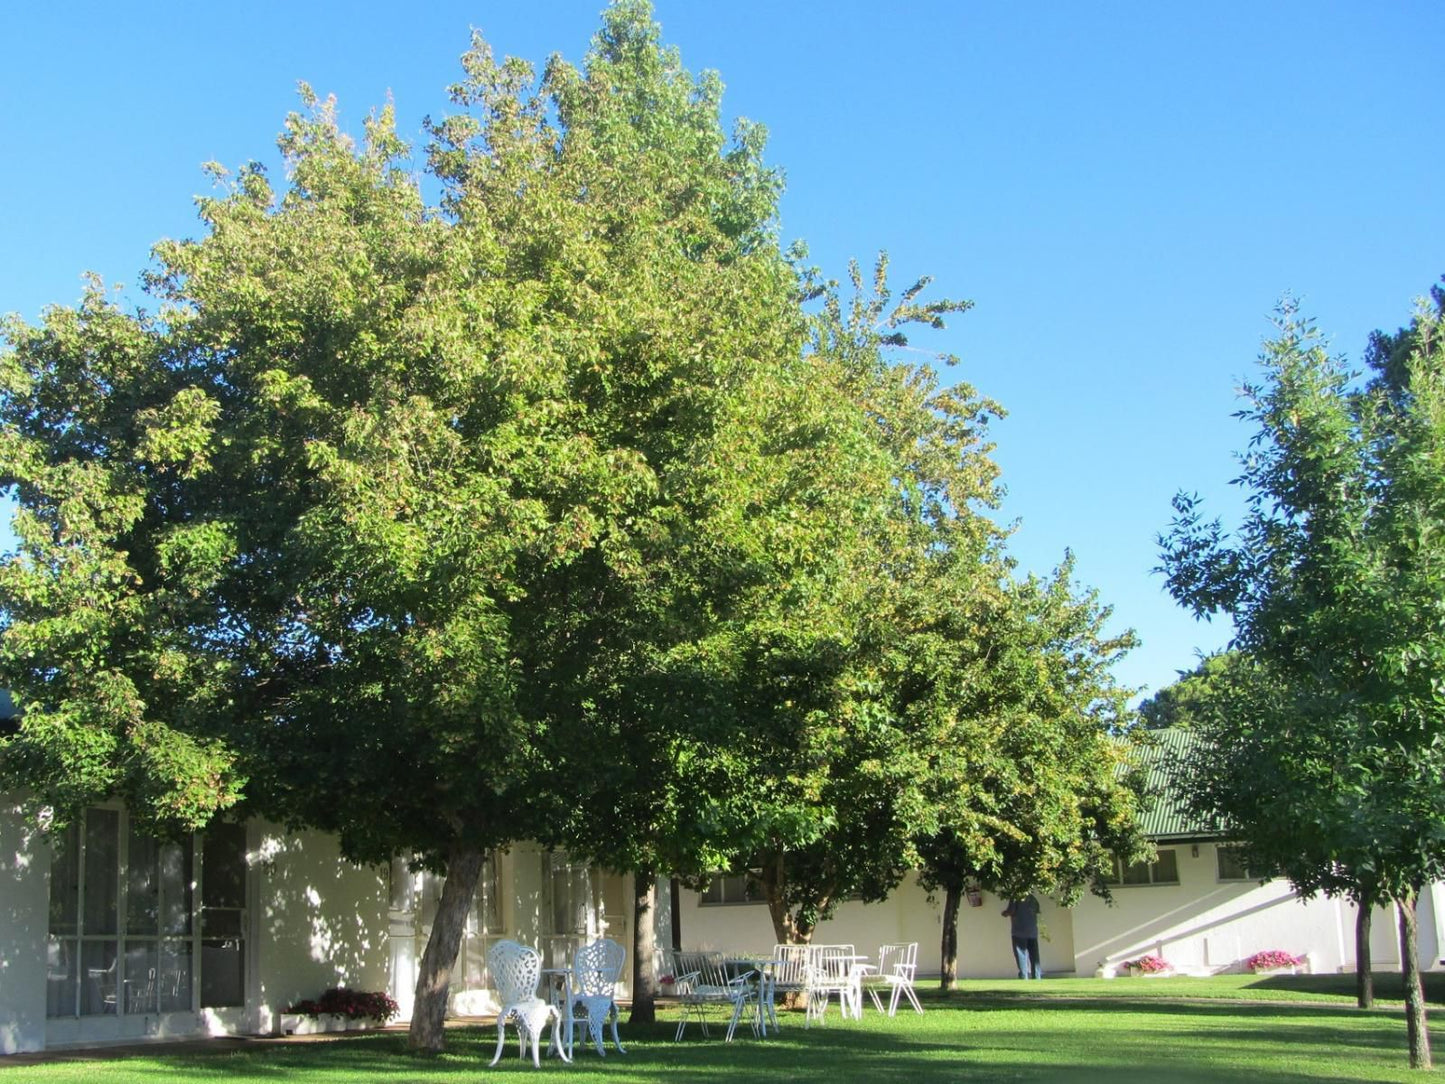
[{"x": 1166, "y": 818}]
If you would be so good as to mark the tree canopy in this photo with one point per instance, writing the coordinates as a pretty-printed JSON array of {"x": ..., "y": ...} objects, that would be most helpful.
[{"x": 565, "y": 506}]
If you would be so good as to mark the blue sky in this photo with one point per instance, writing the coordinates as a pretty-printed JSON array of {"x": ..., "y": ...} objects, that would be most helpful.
[{"x": 1124, "y": 190}]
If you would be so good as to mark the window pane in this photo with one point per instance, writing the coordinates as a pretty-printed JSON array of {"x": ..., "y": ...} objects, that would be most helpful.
[
  {"x": 60, "y": 980},
  {"x": 175, "y": 976},
  {"x": 98, "y": 988},
  {"x": 175, "y": 873},
  {"x": 142, "y": 885},
  {"x": 491, "y": 909},
  {"x": 223, "y": 880},
  {"x": 581, "y": 889},
  {"x": 102, "y": 876},
  {"x": 222, "y": 973},
  {"x": 1231, "y": 868},
  {"x": 140, "y": 976},
  {"x": 1136, "y": 874},
  {"x": 1166, "y": 869},
  {"x": 65, "y": 883},
  {"x": 223, "y": 863}
]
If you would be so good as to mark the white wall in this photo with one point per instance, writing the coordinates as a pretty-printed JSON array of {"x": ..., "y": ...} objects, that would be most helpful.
[
  {"x": 24, "y": 920},
  {"x": 1201, "y": 925},
  {"x": 984, "y": 949},
  {"x": 321, "y": 921},
  {"x": 1204, "y": 925}
]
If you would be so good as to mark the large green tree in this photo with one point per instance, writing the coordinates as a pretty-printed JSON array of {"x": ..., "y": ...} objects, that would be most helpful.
[
  {"x": 1330, "y": 758},
  {"x": 367, "y": 520}
]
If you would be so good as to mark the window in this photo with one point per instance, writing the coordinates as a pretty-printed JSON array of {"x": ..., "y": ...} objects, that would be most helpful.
[
  {"x": 569, "y": 892},
  {"x": 730, "y": 888},
  {"x": 223, "y": 916},
  {"x": 124, "y": 920},
  {"x": 1233, "y": 867},
  {"x": 485, "y": 915},
  {"x": 1164, "y": 870}
]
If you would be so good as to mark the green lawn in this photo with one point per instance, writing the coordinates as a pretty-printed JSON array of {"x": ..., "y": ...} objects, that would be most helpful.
[{"x": 1231, "y": 1028}]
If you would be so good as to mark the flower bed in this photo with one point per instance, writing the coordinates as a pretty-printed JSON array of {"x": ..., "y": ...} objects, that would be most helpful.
[
  {"x": 338, "y": 1009},
  {"x": 1149, "y": 965},
  {"x": 1273, "y": 961}
]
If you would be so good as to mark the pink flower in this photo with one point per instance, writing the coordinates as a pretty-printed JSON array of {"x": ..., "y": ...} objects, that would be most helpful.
[
  {"x": 1270, "y": 959},
  {"x": 1150, "y": 965}
]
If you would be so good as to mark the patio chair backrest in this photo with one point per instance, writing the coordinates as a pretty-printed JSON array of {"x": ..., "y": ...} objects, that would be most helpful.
[
  {"x": 900, "y": 961},
  {"x": 705, "y": 967},
  {"x": 790, "y": 966},
  {"x": 831, "y": 962},
  {"x": 596, "y": 967},
  {"x": 515, "y": 969}
]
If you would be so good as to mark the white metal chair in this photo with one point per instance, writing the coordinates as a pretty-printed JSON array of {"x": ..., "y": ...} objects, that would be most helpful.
[
  {"x": 701, "y": 981},
  {"x": 790, "y": 975},
  {"x": 590, "y": 992},
  {"x": 897, "y": 968},
  {"x": 833, "y": 969},
  {"x": 515, "y": 969}
]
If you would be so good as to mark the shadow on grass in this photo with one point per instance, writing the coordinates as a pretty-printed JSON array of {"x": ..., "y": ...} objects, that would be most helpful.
[
  {"x": 966, "y": 1037},
  {"x": 1389, "y": 987}
]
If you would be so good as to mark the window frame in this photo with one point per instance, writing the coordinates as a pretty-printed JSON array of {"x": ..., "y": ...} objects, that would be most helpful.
[
  {"x": 1248, "y": 876},
  {"x": 134, "y": 947},
  {"x": 1117, "y": 880},
  {"x": 735, "y": 890}
]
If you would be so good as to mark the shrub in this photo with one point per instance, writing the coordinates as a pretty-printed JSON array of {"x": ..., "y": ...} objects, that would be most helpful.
[
  {"x": 353, "y": 1004},
  {"x": 1272, "y": 958}
]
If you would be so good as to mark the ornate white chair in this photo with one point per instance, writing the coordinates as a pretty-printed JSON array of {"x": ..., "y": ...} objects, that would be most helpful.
[
  {"x": 515, "y": 969},
  {"x": 591, "y": 990},
  {"x": 897, "y": 967}
]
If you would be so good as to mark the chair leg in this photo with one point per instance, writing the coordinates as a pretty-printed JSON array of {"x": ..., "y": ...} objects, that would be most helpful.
[
  {"x": 594, "y": 1032},
  {"x": 733, "y": 1022},
  {"x": 501, "y": 1040},
  {"x": 561, "y": 1042},
  {"x": 615, "y": 1040},
  {"x": 913, "y": 998}
]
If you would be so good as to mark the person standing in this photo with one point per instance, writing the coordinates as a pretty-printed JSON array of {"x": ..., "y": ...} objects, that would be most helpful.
[{"x": 1023, "y": 916}]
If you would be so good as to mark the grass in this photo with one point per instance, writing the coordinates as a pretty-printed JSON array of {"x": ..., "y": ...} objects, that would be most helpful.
[{"x": 1285, "y": 1029}]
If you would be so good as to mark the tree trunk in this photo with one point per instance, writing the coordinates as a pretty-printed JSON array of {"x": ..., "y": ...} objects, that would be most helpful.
[
  {"x": 952, "y": 894},
  {"x": 1364, "y": 966},
  {"x": 644, "y": 934},
  {"x": 785, "y": 932},
  {"x": 1415, "y": 1027},
  {"x": 674, "y": 890},
  {"x": 772, "y": 878},
  {"x": 433, "y": 982}
]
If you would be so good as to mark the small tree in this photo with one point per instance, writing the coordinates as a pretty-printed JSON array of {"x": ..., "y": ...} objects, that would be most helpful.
[
  {"x": 1031, "y": 789},
  {"x": 839, "y": 748},
  {"x": 1329, "y": 761}
]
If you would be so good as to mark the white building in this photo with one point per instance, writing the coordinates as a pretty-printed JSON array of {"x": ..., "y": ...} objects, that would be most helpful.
[{"x": 107, "y": 935}]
